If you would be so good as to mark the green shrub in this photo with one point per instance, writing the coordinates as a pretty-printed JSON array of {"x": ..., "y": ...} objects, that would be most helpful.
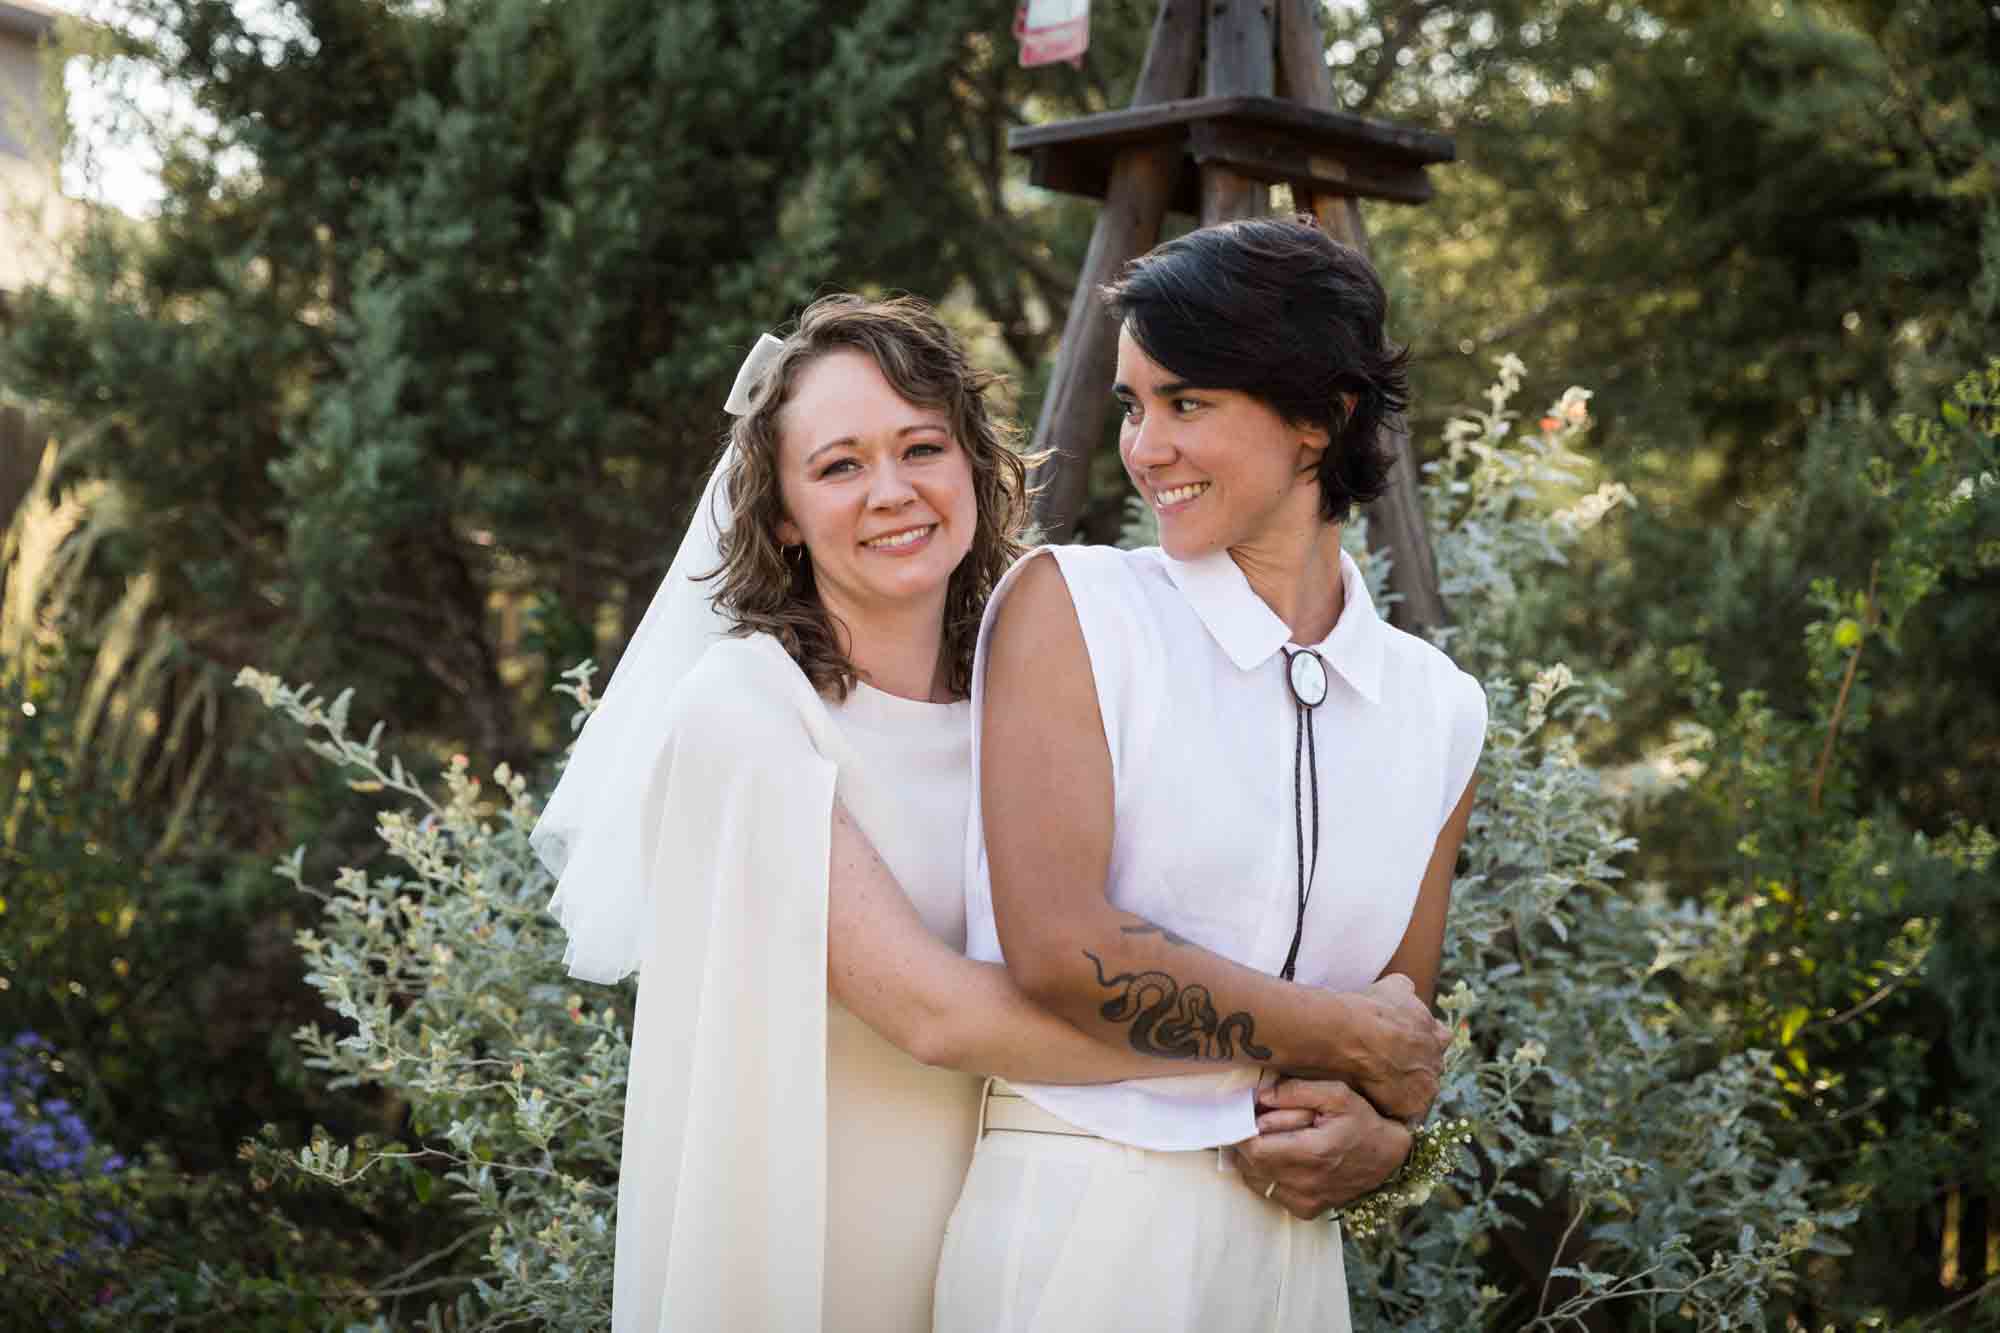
[
  {"x": 1622, "y": 1174},
  {"x": 447, "y": 975},
  {"x": 1864, "y": 945}
]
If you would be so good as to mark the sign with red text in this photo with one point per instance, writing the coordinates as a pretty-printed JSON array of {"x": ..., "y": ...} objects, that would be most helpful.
[{"x": 1052, "y": 30}]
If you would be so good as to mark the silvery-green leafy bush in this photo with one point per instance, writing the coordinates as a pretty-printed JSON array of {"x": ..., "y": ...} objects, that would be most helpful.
[
  {"x": 446, "y": 975},
  {"x": 1618, "y": 1137}
]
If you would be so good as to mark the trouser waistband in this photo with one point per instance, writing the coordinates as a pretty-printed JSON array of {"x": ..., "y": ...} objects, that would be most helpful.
[{"x": 1002, "y": 1109}]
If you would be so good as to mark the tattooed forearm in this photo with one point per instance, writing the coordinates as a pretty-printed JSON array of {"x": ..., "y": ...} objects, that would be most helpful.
[
  {"x": 1172, "y": 1021},
  {"x": 1148, "y": 928}
]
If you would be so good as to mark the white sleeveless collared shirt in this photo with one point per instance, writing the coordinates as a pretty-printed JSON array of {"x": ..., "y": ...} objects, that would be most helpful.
[{"x": 1191, "y": 685}]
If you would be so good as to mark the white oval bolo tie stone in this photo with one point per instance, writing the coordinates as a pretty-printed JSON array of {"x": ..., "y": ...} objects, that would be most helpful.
[{"x": 1308, "y": 679}]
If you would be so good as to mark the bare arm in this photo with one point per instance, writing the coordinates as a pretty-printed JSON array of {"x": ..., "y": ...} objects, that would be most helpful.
[
  {"x": 1422, "y": 948},
  {"x": 1319, "y": 1145},
  {"x": 1098, "y": 967},
  {"x": 942, "y": 1008}
]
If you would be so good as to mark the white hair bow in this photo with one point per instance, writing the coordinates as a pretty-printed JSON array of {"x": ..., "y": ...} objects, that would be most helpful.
[{"x": 750, "y": 373}]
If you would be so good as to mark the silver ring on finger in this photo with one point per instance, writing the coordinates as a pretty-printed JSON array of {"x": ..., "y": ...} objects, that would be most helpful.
[{"x": 1270, "y": 1189}]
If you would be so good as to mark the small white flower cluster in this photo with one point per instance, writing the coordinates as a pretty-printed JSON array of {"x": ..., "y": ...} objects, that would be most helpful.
[
  {"x": 1589, "y": 511},
  {"x": 1968, "y": 487},
  {"x": 1433, "y": 1157},
  {"x": 1548, "y": 683}
]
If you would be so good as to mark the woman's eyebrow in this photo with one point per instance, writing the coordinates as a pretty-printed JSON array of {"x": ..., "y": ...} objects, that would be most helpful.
[
  {"x": 843, "y": 441},
  {"x": 851, "y": 442}
]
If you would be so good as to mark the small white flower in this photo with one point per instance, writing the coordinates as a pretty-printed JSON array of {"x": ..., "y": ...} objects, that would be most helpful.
[
  {"x": 1460, "y": 429},
  {"x": 1589, "y": 511},
  {"x": 1970, "y": 486},
  {"x": 1548, "y": 683}
]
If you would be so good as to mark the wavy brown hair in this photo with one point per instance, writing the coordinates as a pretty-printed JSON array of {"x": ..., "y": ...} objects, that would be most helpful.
[{"x": 760, "y": 590}]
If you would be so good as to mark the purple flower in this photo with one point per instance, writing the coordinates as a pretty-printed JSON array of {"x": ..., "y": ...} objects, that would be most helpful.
[{"x": 49, "y": 1137}]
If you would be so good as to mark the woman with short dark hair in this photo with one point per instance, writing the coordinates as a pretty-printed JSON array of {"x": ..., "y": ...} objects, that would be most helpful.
[
  {"x": 1263, "y": 787},
  {"x": 1272, "y": 282}
]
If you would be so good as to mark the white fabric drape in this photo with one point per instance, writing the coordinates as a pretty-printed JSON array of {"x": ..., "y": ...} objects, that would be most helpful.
[
  {"x": 591, "y": 833},
  {"x": 722, "y": 1188}
]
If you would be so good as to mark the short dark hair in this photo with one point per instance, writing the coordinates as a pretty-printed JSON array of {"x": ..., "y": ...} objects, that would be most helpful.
[{"x": 1278, "y": 309}]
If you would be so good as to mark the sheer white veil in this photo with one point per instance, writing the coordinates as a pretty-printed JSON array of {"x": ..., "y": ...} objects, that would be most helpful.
[{"x": 592, "y": 833}]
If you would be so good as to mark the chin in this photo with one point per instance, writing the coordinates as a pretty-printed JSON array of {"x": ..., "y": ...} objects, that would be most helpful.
[
  {"x": 911, "y": 585},
  {"x": 1186, "y": 545}
]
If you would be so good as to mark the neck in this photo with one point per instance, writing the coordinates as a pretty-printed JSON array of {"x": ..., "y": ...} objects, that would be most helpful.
[
  {"x": 898, "y": 650},
  {"x": 1294, "y": 567}
]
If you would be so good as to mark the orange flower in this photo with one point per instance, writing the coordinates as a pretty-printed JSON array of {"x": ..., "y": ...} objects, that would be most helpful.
[{"x": 1551, "y": 425}]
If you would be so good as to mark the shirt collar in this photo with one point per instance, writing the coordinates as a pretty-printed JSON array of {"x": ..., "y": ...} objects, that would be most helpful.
[{"x": 1250, "y": 633}]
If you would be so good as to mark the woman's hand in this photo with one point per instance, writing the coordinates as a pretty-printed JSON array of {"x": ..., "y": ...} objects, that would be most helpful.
[
  {"x": 1398, "y": 1055},
  {"x": 1321, "y": 1145}
]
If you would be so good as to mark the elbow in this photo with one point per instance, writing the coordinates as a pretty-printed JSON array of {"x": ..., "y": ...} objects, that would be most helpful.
[
  {"x": 936, "y": 1042},
  {"x": 1039, "y": 972}
]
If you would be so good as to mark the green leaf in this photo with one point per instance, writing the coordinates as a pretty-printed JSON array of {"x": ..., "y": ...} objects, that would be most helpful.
[{"x": 1794, "y": 1020}]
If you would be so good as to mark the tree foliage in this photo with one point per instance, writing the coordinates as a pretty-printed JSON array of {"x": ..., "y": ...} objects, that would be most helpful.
[{"x": 408, "y": 383}]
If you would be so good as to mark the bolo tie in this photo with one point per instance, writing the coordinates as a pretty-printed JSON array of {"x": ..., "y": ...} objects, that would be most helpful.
[{"x": 1305, "y": 672}]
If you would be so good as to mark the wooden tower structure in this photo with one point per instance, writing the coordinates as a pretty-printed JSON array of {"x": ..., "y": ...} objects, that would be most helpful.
[{"x": 1234, "y": 97}]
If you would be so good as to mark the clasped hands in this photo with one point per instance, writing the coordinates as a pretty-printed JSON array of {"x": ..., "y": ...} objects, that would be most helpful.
[{"x": 1323, "y": 1142}]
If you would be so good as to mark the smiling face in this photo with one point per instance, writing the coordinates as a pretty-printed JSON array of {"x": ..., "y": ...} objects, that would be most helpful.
[
  {"x": 876, "y": 489},
  {"x": 1219, "y": 468}
]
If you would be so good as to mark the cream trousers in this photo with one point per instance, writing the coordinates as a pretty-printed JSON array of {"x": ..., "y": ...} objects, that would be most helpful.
[{"x": 1057, "y": 1231}]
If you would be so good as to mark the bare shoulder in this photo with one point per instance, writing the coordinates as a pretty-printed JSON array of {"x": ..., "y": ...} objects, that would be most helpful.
[
  {"x": 1033, "y": 590},
  {"x": 1033, "y": 610}
]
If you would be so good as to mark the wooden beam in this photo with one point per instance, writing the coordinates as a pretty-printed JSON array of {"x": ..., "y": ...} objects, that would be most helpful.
[
  {"x": 1396, "y": 526},
  {"x": 1271, "y": 139},
  {"x": 1135, "y": 204},
  {"x": 1266, "y": 156},
  {"x": 1242, "y": 49},
  {"x": 1326, "y": 130},
  {"x": 1241, "y": 62},
  {"x": 1302, "y": 73}
]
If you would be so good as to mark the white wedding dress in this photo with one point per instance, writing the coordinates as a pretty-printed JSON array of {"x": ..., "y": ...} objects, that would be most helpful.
[{"x": 899, "y": 1135}]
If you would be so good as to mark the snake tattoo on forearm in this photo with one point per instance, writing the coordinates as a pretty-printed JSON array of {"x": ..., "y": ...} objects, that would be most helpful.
[{"x": 1172, "y": 1021}]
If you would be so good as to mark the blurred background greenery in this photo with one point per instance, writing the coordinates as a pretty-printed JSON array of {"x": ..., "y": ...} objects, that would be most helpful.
[{"x": 407, "y": 384}]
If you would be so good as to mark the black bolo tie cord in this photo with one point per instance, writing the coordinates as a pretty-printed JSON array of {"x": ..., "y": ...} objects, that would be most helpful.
[{"x": 1305, "y": 756}]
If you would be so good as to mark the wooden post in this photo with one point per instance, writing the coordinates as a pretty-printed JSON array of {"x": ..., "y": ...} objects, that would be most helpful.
[
  {"x": 1142, "y": 181},
  {"x": 20, "y": 460},
  {"x": 1241, "y": 49},
  {"x": 1396, "y": 521}
]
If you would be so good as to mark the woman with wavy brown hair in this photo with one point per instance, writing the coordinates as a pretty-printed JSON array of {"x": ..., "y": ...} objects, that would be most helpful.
[{"x": 767, "y": 814}]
